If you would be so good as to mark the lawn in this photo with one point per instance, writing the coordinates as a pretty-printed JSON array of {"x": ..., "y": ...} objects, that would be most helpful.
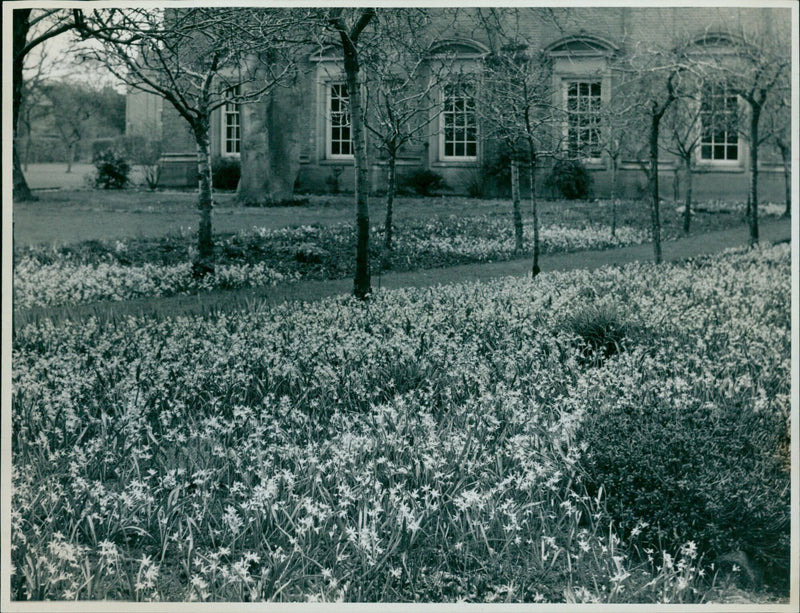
[{"x": 497, "y": 442}]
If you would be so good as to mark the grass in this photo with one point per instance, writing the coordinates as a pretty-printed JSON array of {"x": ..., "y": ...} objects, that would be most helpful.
[
  {"x": 68, "y": 216},
  {"x": 424, "y": 446}
]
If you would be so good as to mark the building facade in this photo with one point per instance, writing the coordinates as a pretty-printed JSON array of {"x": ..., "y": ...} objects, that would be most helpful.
[{"x": 585, "y": 46}]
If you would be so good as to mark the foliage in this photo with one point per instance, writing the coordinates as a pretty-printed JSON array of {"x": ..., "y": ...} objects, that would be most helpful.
[
  {"x": 600, "y": 331},
  {"x": 422, "y": 182},
  {"x": 381, "y": 451},
  {"x": 112, "y": 169},
  {"x": 697, "y": 447},
  {"x": 571, "y": 179},
  {"x": 225, "y": 172}
]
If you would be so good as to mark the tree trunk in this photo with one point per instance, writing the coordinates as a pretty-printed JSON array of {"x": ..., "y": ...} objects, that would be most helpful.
[
  {"x": 20, "y": 35},
  {"x": 755, "y": 115},
  {"x": 270, "y": 151},
  {"x": 361, "y": 282},
  {"x": 687, "y": 211},
  {"x": 614, "y": 168},
  {"x": 676, "y": 184},
  {"x": 204, "y": 264},
  {"x": 70, "y": 156},
  {"x": 655, "y": 221},
  {"x": 515, "y": 199},
  {"x": 786, "y": 156},
  {"x": 535, "y": 270},
  {"x": 387, "y": 226}
]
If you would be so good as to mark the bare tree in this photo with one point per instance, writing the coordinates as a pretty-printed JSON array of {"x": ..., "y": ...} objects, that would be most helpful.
[
  {"x": 198, "y": 60},
  {"x": 778, "y": 121},
  {"x": 349, "y": 27},
  {"x": 31, "y": 28},
  {"x": 401, "y": 76},
  {"x": 517, "y": 106},
  {"x": 77, "y": 112},
  {"x": 755, "y": 69},
  {"x": 684, "y": 131},
  {"x": 652, "y": 77},
  {"x": 620, "y": 126}
]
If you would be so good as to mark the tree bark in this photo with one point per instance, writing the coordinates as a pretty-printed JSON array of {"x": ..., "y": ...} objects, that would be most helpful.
[
  {"x": 70, "y": 156},
  {"x": 535, "y": 270},
  {"x": 204, "y": 264},
  {"x": 361, "y": 282},
  {"x": 21, "y": 191},
  {"x": 786, "y": 156},
  {"x": 270, "y": 152},
  {"x": 614, "y": 168},
  {"x": 387, "y": 226},
  {"x": 517, "y": 209},
  {"x": 655, "y": 221},
  {"x": 687, "y": 210},
  {"x": 755, "y": 115}
]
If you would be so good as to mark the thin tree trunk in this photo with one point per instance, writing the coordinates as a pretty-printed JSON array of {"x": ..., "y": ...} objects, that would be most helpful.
[
  {"x": 754, "y": 119},
  {"x": 535, "y": 270},
  {"x": 614, "y": 168},
  {"x": 204, "y": 264},
  {"x": 387, "y": 226},
  {"x": 655, "y": 221},
  {"x": 786, "y": 156},
  {"x": 70, "y": 156},
  {"x": 516, "y": 208},
  {"x": 676, "y": 184},
  {"x": 687, "y": 210}
]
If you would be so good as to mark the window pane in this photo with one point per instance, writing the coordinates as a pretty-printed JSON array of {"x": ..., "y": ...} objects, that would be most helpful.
[
  {"x": 472, "y": 149},
  {"x": 733, "y": 152},
  {"x": 719, "y": 152},
  {"x": 448, "y": 148}
]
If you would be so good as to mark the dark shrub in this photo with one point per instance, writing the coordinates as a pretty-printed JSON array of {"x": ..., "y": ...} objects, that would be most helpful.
[
  {"x": 497, "y": 170},
  {"x": 422, "y": 182},
  {"x": 293, "y": 201},
  {"x": 703, "y": 473},
  {"x": 112, "y": 169},
  {"x": 332, "y": 180},
  {"x": 571, "y": 179},
  {"x": 599, "y": 331},
  {"x": 225, "y": 173}
]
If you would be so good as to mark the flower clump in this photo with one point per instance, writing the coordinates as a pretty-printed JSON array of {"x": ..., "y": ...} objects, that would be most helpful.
[{"x": 428, "y": 445}]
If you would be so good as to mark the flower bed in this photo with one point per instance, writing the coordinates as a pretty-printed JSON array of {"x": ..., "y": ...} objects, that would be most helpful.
[
  {"x": 95, "y": 271},
  {"x": 430, "y": 445}
]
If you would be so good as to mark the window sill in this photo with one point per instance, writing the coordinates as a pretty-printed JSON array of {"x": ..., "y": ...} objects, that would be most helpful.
[
  {"x": 722, "y": 167},
  {"x": 467, "y": 163},
  {"x": 337, "y": 162}
]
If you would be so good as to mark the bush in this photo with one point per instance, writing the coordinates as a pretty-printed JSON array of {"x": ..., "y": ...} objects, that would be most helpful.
[
  {"x": 702, "y": 473},
  {"x": 112, "y": 169},
  {"x": 225, "y": 173},
  {"x": 422, "y": 182},
  {"x": 600, "y": 332},
  {"x": 571, "y": 179}
]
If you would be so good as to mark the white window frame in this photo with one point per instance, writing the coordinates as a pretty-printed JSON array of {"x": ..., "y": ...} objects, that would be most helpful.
[
  {"x": 724, "y": 161},
  {"x": 230, "y": 111},
  {"x": 443, "y": 157},
  {"x": 566, "y": 82},
  {"x": 329, "y": 154}
]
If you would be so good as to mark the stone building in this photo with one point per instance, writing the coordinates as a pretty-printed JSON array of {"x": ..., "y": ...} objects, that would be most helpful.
[{"x": 307, "y": 126}]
